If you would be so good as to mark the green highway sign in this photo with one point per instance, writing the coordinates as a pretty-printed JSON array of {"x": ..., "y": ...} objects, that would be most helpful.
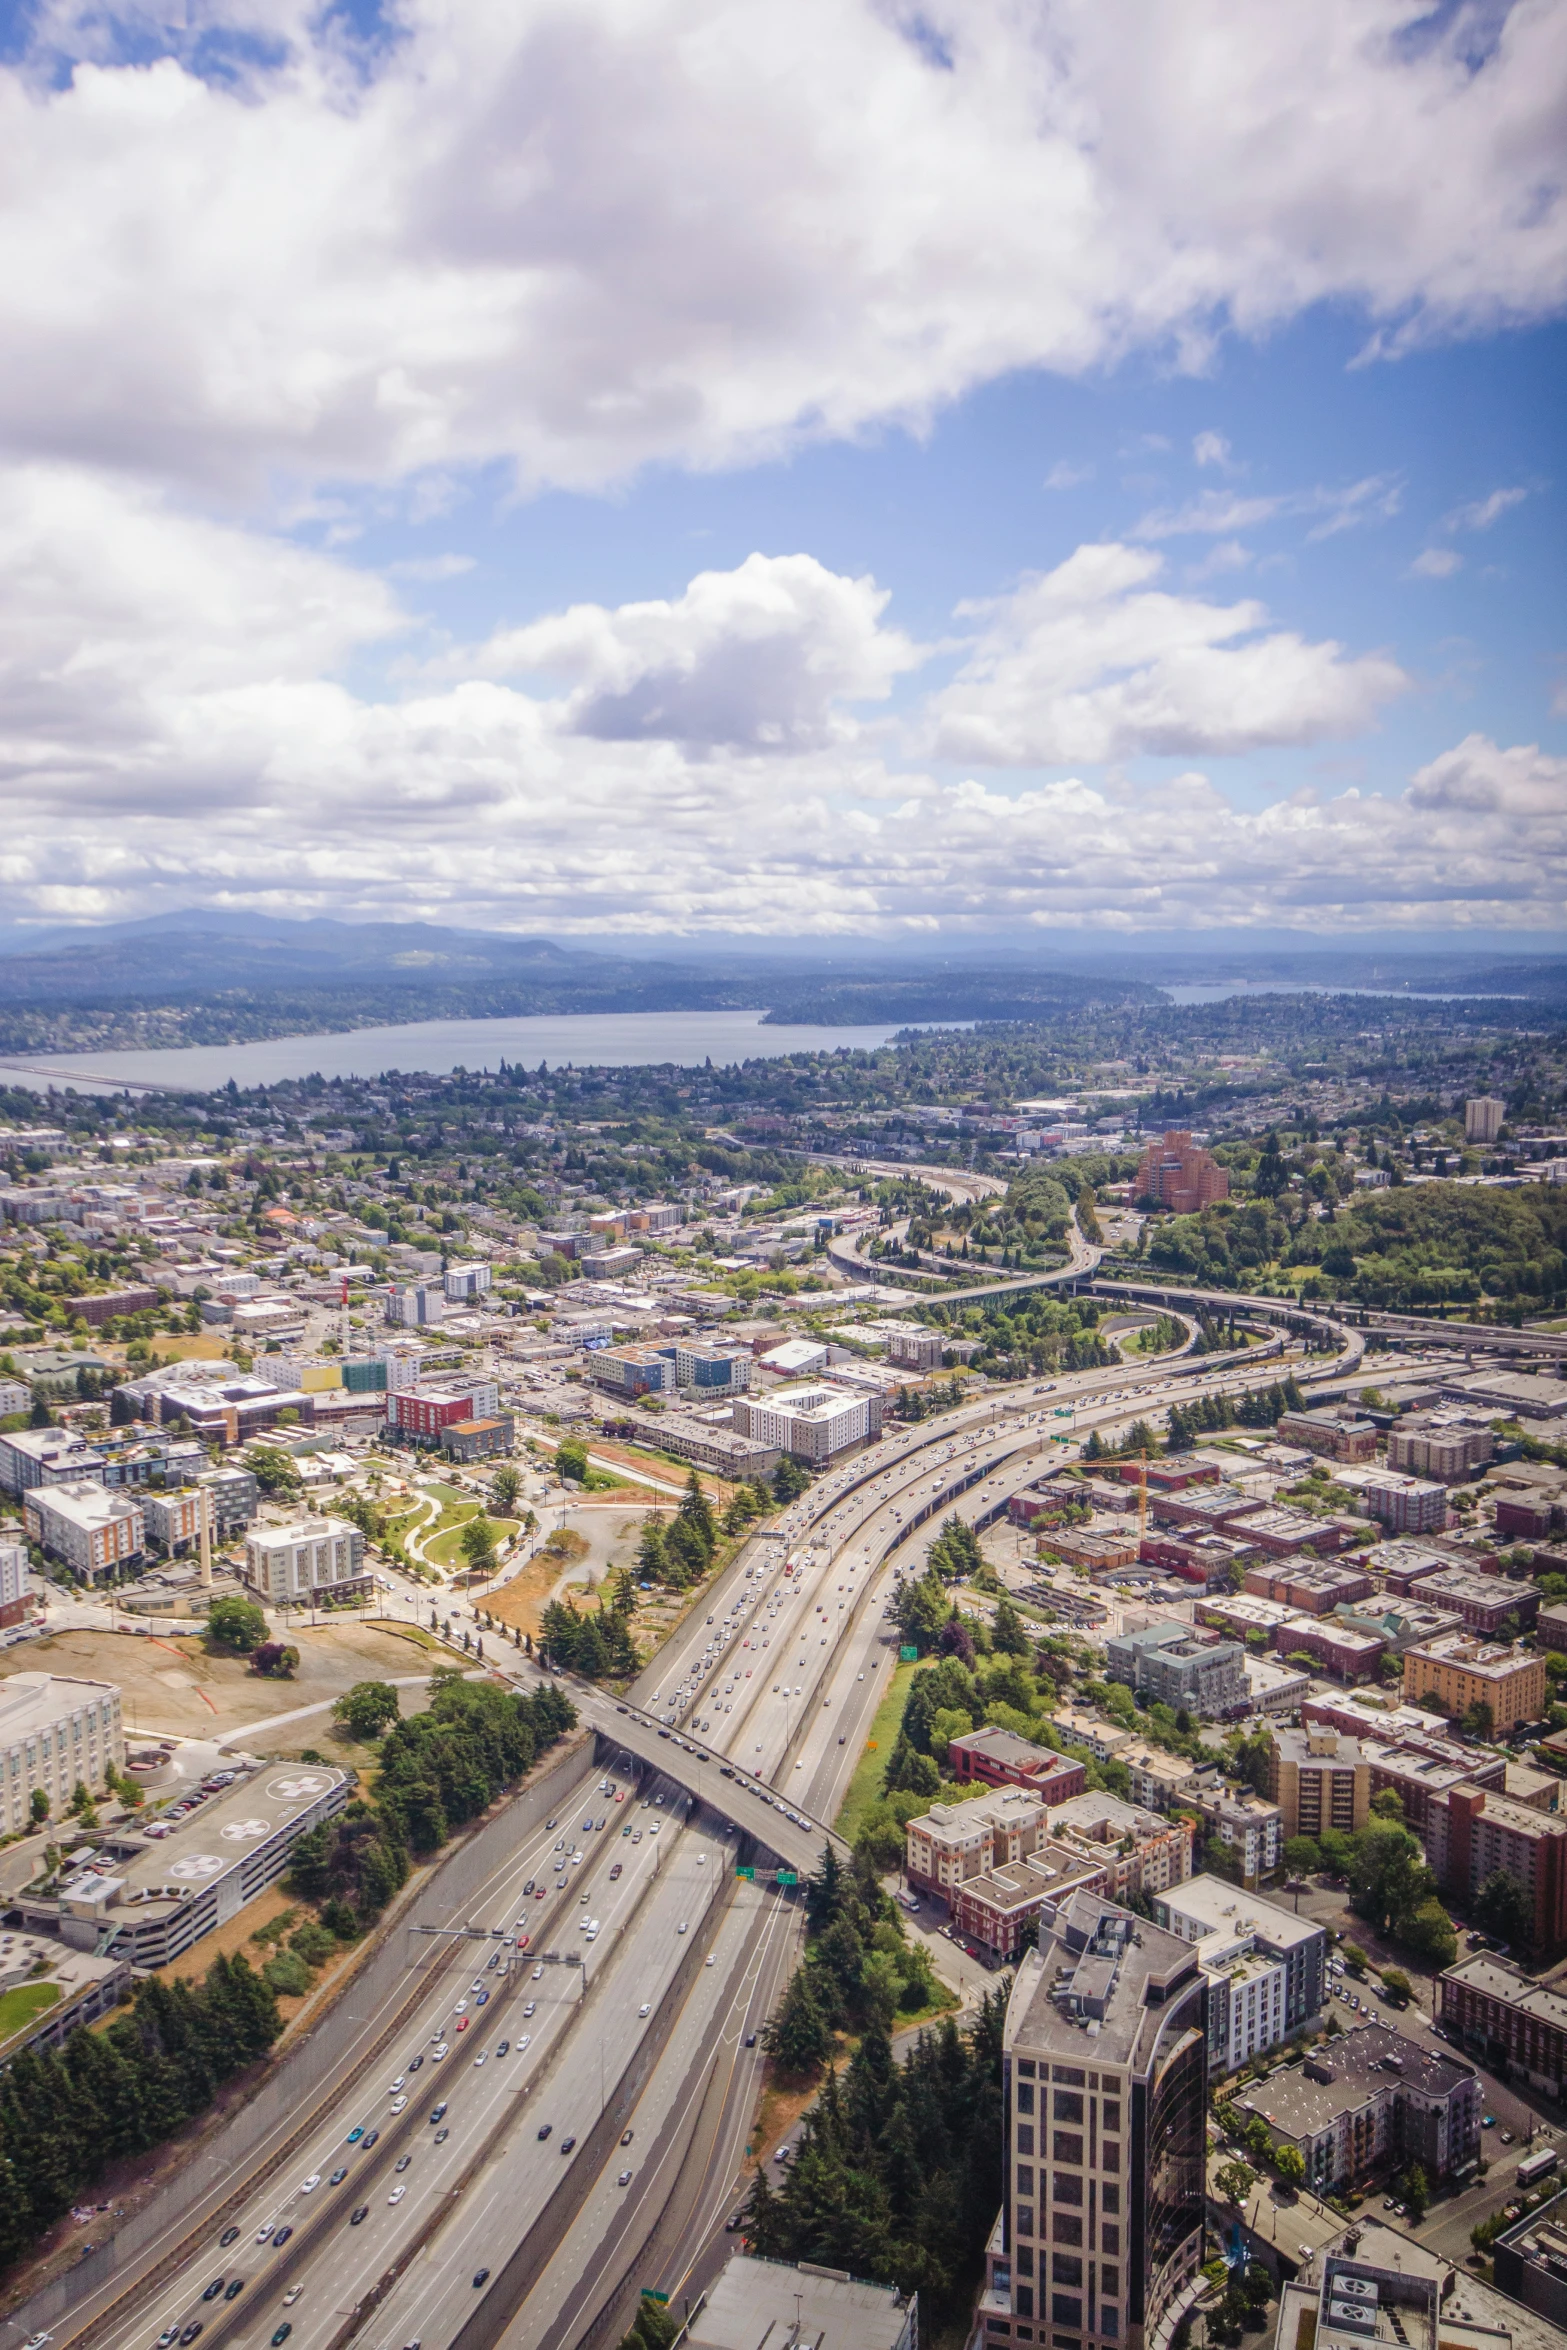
[
  {"x": 751, "y": 1873},
  {"x": 908, "y": 1654},
  {"x": 786, "y": 1877}
]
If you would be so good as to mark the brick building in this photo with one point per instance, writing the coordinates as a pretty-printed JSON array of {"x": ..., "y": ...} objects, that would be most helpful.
[
  {"x": 1002, "y": 1759},
  {"x": 1510, "y": 2023},
  {"x": 1335, "y": 1435},
  {"x": 1319, "y": 1779},
  {"x": 1458, "y": 1671},
  {"x": 1177, "y": 1173}
]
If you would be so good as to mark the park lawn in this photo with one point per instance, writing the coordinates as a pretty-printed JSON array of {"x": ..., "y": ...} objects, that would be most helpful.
[
  {"x": 20, "y": 2006},
  {"x": 865, "y": 1786},
  {"x": 445, "y": 1550}
]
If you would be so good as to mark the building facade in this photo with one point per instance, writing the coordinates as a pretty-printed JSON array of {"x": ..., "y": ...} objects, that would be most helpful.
[
  {"x": 93, "y": 1532},
  {"x": 55, "y": 1731},
  {"x": 1373, "y": 2101},
  {"x": 1171, "y": 1663},
  {"x": 1176, "y": 1173},
  {"x": 1104, "y": 2069},
  {"x": 1319, "y": 1778},
  {"x": 1458, "y": 1671},
  {"x": 812, "y": 1422},
  {"x": 311, "y": 1560}
]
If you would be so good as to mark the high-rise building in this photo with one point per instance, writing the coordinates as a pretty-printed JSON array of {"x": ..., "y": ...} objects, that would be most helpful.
[
  {"x": 1178, "y": 1173},
  {"x": 1104, "y": 2082},
  {"x": 1483, "y": 1119},
  {"x": 1319, "y": 1779}
]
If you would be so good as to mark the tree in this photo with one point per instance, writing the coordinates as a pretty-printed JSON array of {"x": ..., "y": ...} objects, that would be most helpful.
[
  {"x": 1290, "y": 2164},
  {"x": 696, "y": 1513},
  {"x": 1505, "y": 1907},
  {"x": 1009, "y": 1632},
  {"x": 1302, "y": 1856},
  {"x": 236, "y": 1623},
  {"x": 1416, "y": 2189},
  {"x": 367, "y": 1709},
  {"x": 799, "y": 2037},
  {"x": 1337, "y": 1851},
  {"x": 789, "y": 1480},
  {"x": 477, "y": 1544},
  {"x": 273, "y": 1659},
  {"x": 1397, "y": 1985},
  {"x": 38, "y": 1807},
  {"x": 505, "y": 1486},
  {"x": 650, "y": 1551},
  {"x": 571, "y": 1460}
]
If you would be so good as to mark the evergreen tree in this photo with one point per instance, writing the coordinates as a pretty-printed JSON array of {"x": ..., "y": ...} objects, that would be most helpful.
[
  {"x": 696, "y": 1512},
  {"x": 1008, "y": 1631},
  {"x": 799, "y": 2036},
  {"x": 650, "y": 1551}
]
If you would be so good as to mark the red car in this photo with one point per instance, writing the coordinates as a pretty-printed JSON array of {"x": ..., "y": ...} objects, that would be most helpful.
[{"x": 462, "y": 2023}]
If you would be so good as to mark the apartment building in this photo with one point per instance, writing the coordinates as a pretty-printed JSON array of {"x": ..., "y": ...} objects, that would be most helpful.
[
  {"x": 1487, "y": 1831},
  {"x": 1407, "y": 1505},
  {"x": 1446, "y": 1445},
  {"x": 713, "y": 1370},
  {"x": 1252, "y": 1829},
  {"x": 1266, "y": 1968},
  {"x": 1344, "y": 1649},
  {"x": 633, "y": 1370},
  {"x": 1319, "y": 1779},
  {"x": 415, "y": 1305},
  {"x": 1176, "y": 1173},
  {"x": 813, "y": 1421},
  {"x": 1174, "y": 1664},
  {"x": 30, "y": 1457},
  {"x": 1141, "y": 1851},
  {"x": 1493, "y": 1606},
  {"x": 1002, "y": 1759},
  {"x": 1422, "y": 1771},
  {"x": 1511, "y": 2023},
  {"x": 1104, "y": 2080},
  {"x": 171, "y": 1522},
  {"x": 93, "y": 1532},
  {"x": 1458, "y": 1671},
  {"x": 1309, "y": 1586},
  {"x": 424, "y": 1412},
  {"x": 466, "y": 1284},
  {"x": 1103, "y": 1739},
  {"x": 1483, "y": 1118},
  {"x": 479, "y": 1440},
  {"x": 1158, "y": 1778},
  {"x": 1374, "y": 2100},
  {"x": 309, "y": 1560},
  {"x": 54, "y": 1731}
]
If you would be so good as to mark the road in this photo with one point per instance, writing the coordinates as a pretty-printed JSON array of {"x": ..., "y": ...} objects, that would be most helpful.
[{"x": 561, "y": 2241}]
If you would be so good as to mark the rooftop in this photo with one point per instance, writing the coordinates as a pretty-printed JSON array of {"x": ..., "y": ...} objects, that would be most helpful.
[
  {"x": 1302, "y": 2100},
  {"x": 757, "y": 2303},
  {"x": 32, "y": 1701},
  {"x": 1222, "y": 1908},
  {"x": 1100, "y": 1983}
]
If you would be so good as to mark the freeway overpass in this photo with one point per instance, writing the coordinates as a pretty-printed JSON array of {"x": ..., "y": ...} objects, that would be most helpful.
[
  {"x": 1477, "y": 1337},
  {"x": 754, "y": 1807}
]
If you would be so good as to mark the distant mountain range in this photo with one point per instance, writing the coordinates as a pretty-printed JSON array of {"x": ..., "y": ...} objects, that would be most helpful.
[{"x": 221, "y": 978}]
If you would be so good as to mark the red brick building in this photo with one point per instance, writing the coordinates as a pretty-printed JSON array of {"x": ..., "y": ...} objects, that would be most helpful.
[
  {"x": 1177, "y": 1173},
  {"x": 1002, "y": 1759}
]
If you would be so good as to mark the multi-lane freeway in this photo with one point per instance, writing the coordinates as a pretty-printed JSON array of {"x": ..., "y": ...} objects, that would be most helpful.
[{"x": 593, "y": 2048}]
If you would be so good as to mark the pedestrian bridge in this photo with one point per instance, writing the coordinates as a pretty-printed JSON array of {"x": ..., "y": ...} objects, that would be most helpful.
[{"x": 773, "y": 1821}]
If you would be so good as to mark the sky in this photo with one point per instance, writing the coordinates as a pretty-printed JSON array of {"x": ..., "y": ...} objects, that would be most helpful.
[{"x": 647, "y": 468}]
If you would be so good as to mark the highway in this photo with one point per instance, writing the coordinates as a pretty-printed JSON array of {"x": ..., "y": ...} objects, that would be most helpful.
[{"x": 775, "y": 1675}]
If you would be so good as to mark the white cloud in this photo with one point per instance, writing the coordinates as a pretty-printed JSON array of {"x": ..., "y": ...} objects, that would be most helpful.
[
  {"x": 1436, "y": 563},
  {"x": 1478, "y": 778},
  {"x": 587, "y": 238},
  {"x": 1094, "y": 663},
  {"x": 1065, "y": 476},
  {"x": 761, "y": 655},
  {"x": 430, "y": 567},
  {"x": 1215, "y": 512},
  {"x": 1484, "y": 511},
  {"x": 1211, "y": 448}
]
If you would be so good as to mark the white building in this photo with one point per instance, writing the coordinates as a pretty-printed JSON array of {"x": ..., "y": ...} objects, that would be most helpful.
[
  {"x": 89, "y": 1529},
  {"x": 1266, "y": 1968},
  {"x": 46, "y": 1456},
  {"x": 466, "y": 1281},
  {"x": 796, "y": 1358},
  {"x": 415, "y": 1305},
  {"x": 55, "y": 1731},
  {"x": 815, "y": 1422},
  {"x": 1483, "y": 1118},
  {"x": 310, "y": 1560}
]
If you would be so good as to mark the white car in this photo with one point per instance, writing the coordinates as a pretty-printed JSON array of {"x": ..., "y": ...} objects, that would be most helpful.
[
  {"x": 397, "y": 2195},
  {"x": 309, "y": 2186},
  {"x": 481, "y": 2058},
  {"x": 398, "y": 2103},
  {"x": 646, "y": 2008}
]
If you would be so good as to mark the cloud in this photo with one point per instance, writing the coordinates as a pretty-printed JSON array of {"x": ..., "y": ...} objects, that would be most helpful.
[
  {"x": 1065, "y": 476},
  {"x": 1211, "y": 448},
  {"x": 182, "y": 720},
  {"x": 430, "y": 567},
  {"x": 761, "y": 655},
  {"x": 588, "y": 239},
  {"x": 1484, "y": 511},
  {"x": 1092, "y": 662},
  {"x": 1216, "y": 512},
  {"x": 1436, "y": 563}
]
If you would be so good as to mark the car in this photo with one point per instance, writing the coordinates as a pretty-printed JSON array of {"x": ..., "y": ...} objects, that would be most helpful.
[
  {"x": 281, "y": 2238},
  {"x": 538, "y": 1973},
  {"x": 1487, "y": 2121},
  {"x": 191, "y": 2331},
  {"x": 501, "y": 2046},
  {"x": 567, "y": 2144},
  {"x": 1506, "y": 2137},
  {"x": 437, "y": 2055},
  {"x": 402, "y": 2162},
  {"x": 550, "y": 1825},
  {"x": 626, "y": 2137},
  {"x": 733, "y": 2223},
  {"x": 213, "y": 2290},
  {"x": 709, "y": 1960},
  {"x": 615, "y": 1872},
  {"x": 415, "y": 2064},
  {"x": 355, "y": 2135},
  {"x": 624, "y": 2179},
  {"x": 441, "y": 2136},
  {"x": 233, "y": 2291},
  {"x": 524, "y": 2040},
  {"x": 397, "y": 2195},
  {"x": 338, "y": 2176},
  {"x": 292, "y": 2295},
  {"x": 681, "y": 1928},
  {"x": 229, "y": 2236},
  {"x": 479, "y": 2276},
  {"x": 462, "y": 2023},
  {"x": 482, "y": 2000},
  {"x": 531, "y": 2007},
  {"x": 483, "y": 2057},
  {"x": 281, "y": 2333},
  {"x": 263, "y": 2233},
  {"x": 750, "y": 2039},
  {"x": 397, "y": 2104},
  {"x": 370, "y": 2139},
  {"x": 399, "y": 2083},
  {"x": 438, "y": 2112},
  {"x": 360, "y": 2212},
  {"x": 545, "y": 2129}
]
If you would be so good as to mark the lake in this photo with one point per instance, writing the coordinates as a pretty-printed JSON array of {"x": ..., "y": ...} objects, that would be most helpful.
[{"x": 604, "y": 1040}]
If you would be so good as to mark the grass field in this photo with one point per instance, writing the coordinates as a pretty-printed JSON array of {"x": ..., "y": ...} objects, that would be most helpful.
[
  {"x": 446, "y": 1549},
  {"x": 865, "y": 1786},
  {"x": 20, "y": 2006}
]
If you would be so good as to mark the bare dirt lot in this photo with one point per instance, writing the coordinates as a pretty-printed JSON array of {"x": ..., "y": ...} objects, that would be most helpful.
[
  {"x": 610, "y": 1533},
  {"x": 174, "y": 1684}
]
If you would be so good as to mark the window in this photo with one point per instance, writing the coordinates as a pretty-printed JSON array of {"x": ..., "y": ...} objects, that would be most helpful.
[
  {"x": 1110, "y": 2238},
  {"x": 1066, "y": 2188},
  {"x": 1066, "y": 2227},
  {"x": 1025, "y": 2138},
  {"x": 1068, "y": 2107},
  {"x": 1110, "y": 2155},
  {"x": 1066, "y": 2308},
  {"x": 1110, "y": 2113},
  {"x": 1068, "y": 2146},
  {"x": 1025, "y": 2178},
  {"x": 1025, "y": 2220},
  {"x": 1109, "y": 2279},
  {"x": 1066, "y": 2268},
  {"x": 1025, "y": 2097},
  {"x": 1111, "y": 2199},
  {"x": 1025, "y": 2261}
]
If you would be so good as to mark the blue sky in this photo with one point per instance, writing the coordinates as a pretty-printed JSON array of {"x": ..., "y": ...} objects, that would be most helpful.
[{"x": 1012, "y": 471}]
